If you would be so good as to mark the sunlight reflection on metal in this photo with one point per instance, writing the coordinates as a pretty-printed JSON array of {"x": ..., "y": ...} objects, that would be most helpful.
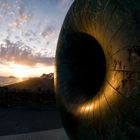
[{"x": 94, "y": 106}]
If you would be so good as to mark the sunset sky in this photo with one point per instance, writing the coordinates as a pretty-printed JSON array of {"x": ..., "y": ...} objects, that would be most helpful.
[{"x": 29, "y": 32}]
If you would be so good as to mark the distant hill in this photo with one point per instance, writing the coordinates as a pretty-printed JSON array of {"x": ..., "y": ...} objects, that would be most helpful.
[
  {"x": 12, "y": 76},
  {"x": 49, "y": 76},
  {"x": 45, "y": 82},
  {"x": 37, "y": 93}
]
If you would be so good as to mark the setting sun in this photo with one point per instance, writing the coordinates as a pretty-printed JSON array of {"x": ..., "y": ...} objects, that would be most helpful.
[
  {"x": 25, "y": 71},
  {"x": 20, "y": 71}
]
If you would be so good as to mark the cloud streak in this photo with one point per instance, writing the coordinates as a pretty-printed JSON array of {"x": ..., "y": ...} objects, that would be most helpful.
[
  {"x": 19, "y": 53},
  {"x": 18, "y": 22}
]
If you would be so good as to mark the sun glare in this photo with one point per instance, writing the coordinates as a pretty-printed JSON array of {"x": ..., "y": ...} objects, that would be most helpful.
[{"x": 22, "y": 71}]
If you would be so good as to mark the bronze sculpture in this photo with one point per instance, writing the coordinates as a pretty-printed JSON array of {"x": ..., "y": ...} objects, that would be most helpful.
[{"x": 97, "y": 78}]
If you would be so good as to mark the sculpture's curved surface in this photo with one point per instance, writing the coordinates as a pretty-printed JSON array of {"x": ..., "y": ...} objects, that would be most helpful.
[{"x": 98, "y": 70}]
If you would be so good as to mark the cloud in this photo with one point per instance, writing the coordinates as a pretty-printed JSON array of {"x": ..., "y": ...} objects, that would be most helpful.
[
  {"x": 5, "y": 5},
  {"x": 65, "y": 3},
  {"x": 19, "y": 53},
  {"x": 30, "y": 27},
  {"x": 48, "y": 31},
  {"x": 11, "y": 13},
  {"x": 14, "y": 13},
  {"x": 18, "y": 22}
]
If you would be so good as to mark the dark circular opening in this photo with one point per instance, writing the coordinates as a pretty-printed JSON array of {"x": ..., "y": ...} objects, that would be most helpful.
[{"x": 83, "y": 66}]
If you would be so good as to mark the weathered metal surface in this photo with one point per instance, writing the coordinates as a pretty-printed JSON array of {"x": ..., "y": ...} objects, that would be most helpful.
[{"x": 97, "y": 78}]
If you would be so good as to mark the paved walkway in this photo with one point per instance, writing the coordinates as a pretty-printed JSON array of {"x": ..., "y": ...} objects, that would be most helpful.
[
  {"x": 19, "y": 121},
  {"x": 57, "y": 134}
]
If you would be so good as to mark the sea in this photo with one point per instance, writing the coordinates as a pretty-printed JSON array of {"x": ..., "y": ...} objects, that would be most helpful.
[{"x": 9, "y": 80}]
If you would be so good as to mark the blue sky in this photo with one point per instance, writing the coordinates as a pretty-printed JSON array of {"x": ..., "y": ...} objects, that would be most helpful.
[{"x": 29, "y": 32}]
